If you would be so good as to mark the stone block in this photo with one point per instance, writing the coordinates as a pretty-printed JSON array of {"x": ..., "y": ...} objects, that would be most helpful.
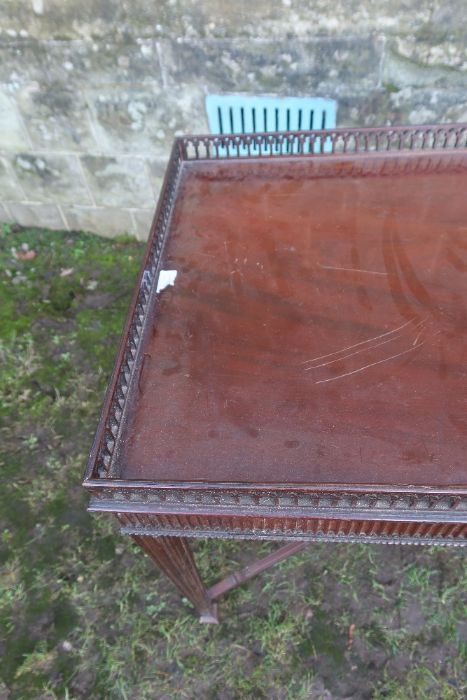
[
  {"x": 5, "y": 216},
  {"x": 51, "y": 178},
  {"x": 106, "y": 221},
  {"x": 120, "y": 61},
  {"x": 87, "y": 19},
  {"x": 320, "y": 67},
  {"x": 436, "y": 51},
  {"x": 47, "y": 81},
  {"x": 40, "y": 215},
  {"x": 13, "y": 135},
  {"x": 157, "y": 168},
  {"x": 371, "y": 109},
  {"x": 121, "y": 181},
  {"x": 406, "y": 106},
  {"x": 94, "y": 19},
  {"x": 57, "y": 117},
  {"x": 424, "y": 106},
  {"x": 144, "y": 121},
  {"x": 447, "y": 19},
  {"x": 9, "y": 185},
  {"x": 22, "y": 62},
  {"x": 400, "y": 71},
  {"x": 456, "y": 112},
  {"x": 142, "y": 222}
]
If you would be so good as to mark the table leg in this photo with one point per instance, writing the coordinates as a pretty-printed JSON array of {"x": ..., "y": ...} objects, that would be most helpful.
[{"x": 174, "y": 556}]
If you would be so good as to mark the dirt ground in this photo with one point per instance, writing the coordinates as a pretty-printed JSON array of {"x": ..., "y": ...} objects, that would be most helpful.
[{"x": 84, "y": 614}]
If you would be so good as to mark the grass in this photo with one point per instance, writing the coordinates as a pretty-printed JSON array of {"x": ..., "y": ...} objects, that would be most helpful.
[{"x": 84, "y": 614}]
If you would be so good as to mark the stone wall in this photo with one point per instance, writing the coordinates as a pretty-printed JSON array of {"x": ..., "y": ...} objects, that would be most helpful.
[{"x": 92, "y": 92}]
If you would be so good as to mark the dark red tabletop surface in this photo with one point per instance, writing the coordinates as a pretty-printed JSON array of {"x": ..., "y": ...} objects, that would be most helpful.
[{"x": 316, "y": 330}]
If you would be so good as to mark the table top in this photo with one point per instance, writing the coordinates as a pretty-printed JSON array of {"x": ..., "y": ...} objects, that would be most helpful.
[{"x": 315, "y": 329}]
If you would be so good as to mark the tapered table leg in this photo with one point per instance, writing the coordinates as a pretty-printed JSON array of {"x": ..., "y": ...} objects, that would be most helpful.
[{"x": 174, "y": 556}]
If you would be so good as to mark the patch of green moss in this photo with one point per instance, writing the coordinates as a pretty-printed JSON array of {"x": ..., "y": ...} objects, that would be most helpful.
[{"x": 391, "y": 87}]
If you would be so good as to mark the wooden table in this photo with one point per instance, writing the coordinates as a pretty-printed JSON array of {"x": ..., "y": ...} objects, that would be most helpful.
[{"x": 294, "y": 363}]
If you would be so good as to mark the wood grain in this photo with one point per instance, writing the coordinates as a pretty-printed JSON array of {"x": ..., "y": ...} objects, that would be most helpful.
[{"x": 316, "y": 331}]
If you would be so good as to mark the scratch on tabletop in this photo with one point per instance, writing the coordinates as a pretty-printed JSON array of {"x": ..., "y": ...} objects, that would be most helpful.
[
  {"x": 360, "y": 369},
  {"x": 358, "y": 352},
  {"x": 362, "y": 342},
  {"x": 352, "y": 269}
]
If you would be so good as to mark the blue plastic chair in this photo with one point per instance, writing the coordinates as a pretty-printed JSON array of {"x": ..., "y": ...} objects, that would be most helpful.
[{"x": 238, "y": 114}]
